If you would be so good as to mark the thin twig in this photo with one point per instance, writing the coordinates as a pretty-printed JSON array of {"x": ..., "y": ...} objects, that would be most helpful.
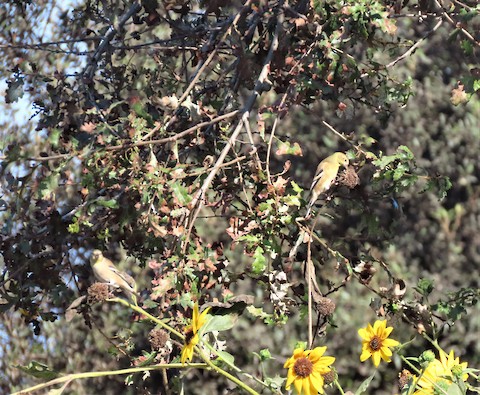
[
  {"x": 456, "y": 25},
  {"x": 309, "y": 289},
  {"x": 252, "y": 142},
  {"x": 89, "y": 70},
  {"x": 139, "y": 143},
  {"x": 203, "y": 66},
  {"x": 47, "y": 44},
  {"x": 357, "y": 147},
  {"x": 280, "y": 106},
  {"x": 75, "y": 376},
  {"x": 197, "y": 201},
  {"x": 414, "y": 46}
]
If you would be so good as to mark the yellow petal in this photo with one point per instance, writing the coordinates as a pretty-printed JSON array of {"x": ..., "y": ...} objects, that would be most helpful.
[
  {"x": 387, "y": 331},
  {"x": 290, "y": 378},
  {"x": 327, "y": 361},
  {"x": 203, "y": 317},
  {"x": 385, "y": 351},
  {"x": 289, "y": 362},
  {"x": 390, "y": 343},
  {"x": 316, "y": 380},
  {"x": 379, "y": 325},
  {"x": 363, "y": 333},
  {"x": 365, "y": 355},
  {"x": 187, "y": 353},
  {"x": 316, "y": 353},
  {"x": 376, "y": 359},
  {"x": 298, "y": 384}
]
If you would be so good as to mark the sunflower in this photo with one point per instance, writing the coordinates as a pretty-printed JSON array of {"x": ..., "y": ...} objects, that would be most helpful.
[
  {"x": 438, "y": 374},
  {"x": 375, "y": 342},
  {"x": 306, "y": 369},
  {"x": 191, "y": 333}
]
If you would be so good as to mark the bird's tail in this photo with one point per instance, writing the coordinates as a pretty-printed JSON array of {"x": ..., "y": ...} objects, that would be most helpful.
[
  {"x": 131, "y": 293},
  {"x": 311, "y": 203}
]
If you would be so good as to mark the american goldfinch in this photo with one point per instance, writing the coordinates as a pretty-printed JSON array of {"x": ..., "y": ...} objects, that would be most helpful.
[
  {"x": 325, "y": 175},
  {"x": 106, "y": 272}
]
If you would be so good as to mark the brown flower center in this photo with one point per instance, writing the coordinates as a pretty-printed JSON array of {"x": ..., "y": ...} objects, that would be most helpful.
[
  {"x": 376, "y": 343},
  {"x": 188, "y": 335},
  {"x": 303, "y": 367}
]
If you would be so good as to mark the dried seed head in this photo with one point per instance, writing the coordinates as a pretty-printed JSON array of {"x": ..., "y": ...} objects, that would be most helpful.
[
  {"x": 158, "y": 338},
  {"x": 97, "y": 292},
  {"x": 325, "y": 306}
]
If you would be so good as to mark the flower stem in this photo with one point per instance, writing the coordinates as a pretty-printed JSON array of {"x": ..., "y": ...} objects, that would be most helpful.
[
  {"x": 229, "y": 376},
  {"x": 74, "y": 376},
  {"x": 337, "y": 384},
  {"x": 151, "y": 317}
]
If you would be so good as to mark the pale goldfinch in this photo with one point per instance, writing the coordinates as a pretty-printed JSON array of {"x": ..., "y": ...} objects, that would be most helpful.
[
  {"x": 325, "y": 176},
  {"x": 106, "y": 272}
]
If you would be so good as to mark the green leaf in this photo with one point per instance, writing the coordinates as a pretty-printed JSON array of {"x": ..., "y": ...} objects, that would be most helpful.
[
  {"x": 264, "y": 206},
  {"x": 180, "y": 193},
  {"x": 276, "y": 382},
  {"x": 112, "y": 203},
  {"x": 400, "y": 171},
  {"x": 454, "y": 389},
  {"x": 39, "y": 370},
  {"x": 408, "y": 153},
  {"x": 141, "y": 112},
  {"x": 54, "y": 137},
  {"x": 227, "y": 357},
  {"x": 424, "y": 286},
  {"x": 252, "y": 239},
  {"x": 14, "y": 90},
  {"x": 476, "y": 85},
  {"x": 74, "y": 227},
  {"x": 384, "y": 161},
  {"x": 259, "y": 262},
  {"x": 219, "y": 323},
  {"x": 285, "y": 148},
  {"x": 364, "y": 386},
  {"x": 291, "y": 200},
  {"x": 258, "y": 312},
  {"x": 467, "y": 47},
  {"x": 48, "y": 186},
  {"x": 296, "y": 187}
]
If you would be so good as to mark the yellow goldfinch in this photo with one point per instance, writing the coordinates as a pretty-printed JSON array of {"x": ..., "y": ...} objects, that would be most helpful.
[
  {"x": 325, "y": 176},
  {"x": 106, "y": 272}
]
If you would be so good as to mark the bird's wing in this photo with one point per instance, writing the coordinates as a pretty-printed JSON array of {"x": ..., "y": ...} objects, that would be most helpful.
[
  {"x": 109, "y": 263},
  {"x": 318, "y": 174},
  {"x": 124, "y": 276},
  {"x": 129, "y": 279}
]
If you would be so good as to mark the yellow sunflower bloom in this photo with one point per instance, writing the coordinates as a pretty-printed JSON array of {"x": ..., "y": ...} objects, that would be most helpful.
[
  {"x": 375, "y": 342},
  {"x": 306, "y": 369},
  {"x": 191, "y": 333},
  {"x": 437, "y": 374}
]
